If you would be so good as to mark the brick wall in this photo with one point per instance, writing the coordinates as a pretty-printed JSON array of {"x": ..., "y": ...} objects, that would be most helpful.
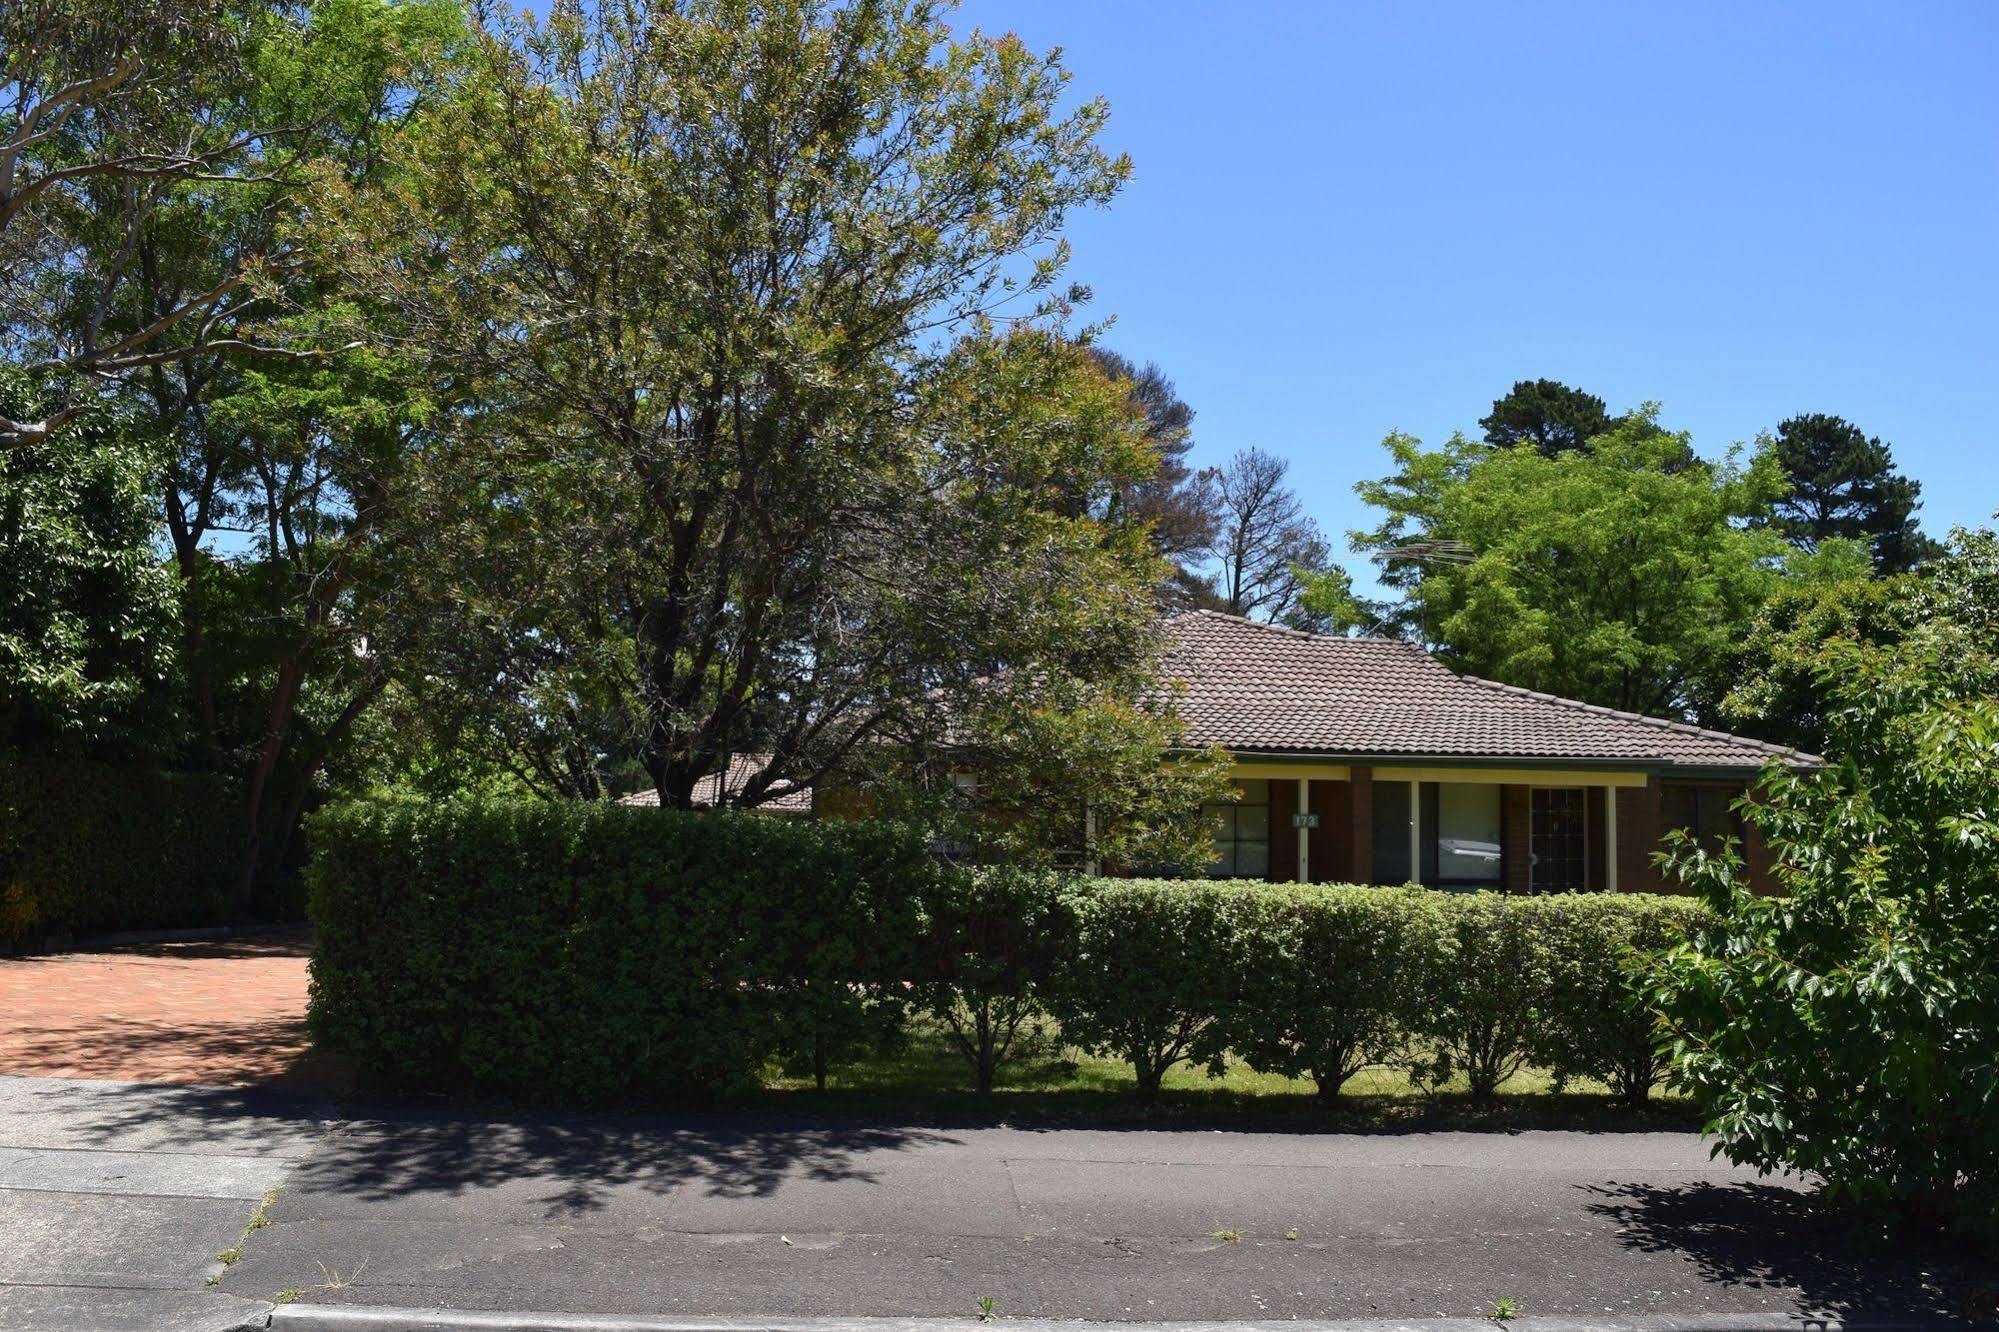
[
  {"x": 1360, "y": 827},
  {"x": 1516, "y": 815}
]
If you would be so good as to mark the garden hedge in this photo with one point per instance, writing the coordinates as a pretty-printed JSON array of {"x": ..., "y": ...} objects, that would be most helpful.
[
  {"x": 585, "y": 952},
  {"x": 590, "y": 952},
  {"x": 87, "y": 848}
]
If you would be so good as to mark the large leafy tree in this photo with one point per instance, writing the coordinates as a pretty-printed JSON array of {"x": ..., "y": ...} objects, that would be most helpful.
[
  {"x": 275, "y": 474},
  {"x": 1847, "y": 1029},
  {"x": 1616, "y": 574},
  {"x": 1844, "y": 486},
  {"x": 700, "y": 268},
  {"x": 114, "y": 113},
  {"x": 1546, "y": 415}
]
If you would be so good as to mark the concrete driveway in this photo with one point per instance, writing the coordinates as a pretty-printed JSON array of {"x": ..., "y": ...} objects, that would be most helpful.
[
  {"x": 116, "y": 1198},
  {"x": 716, "y": 1218}
]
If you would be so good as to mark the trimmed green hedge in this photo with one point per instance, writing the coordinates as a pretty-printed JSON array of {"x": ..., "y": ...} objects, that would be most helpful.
[
  {"x": 583, "y": 952},
  {"x": 591, "y": 952},
  {"x": 87, "y": 848}
]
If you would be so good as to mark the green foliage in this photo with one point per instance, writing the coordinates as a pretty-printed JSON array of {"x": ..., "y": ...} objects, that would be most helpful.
[
  {"x": 584, "y": 952},
  {"x": 85, "y": 606},
  {"x": 1844, "y": 486},
  {"x": 1619, "y": 574},
  {"x": 1547, "y": 416},
  {"x": 1484, "y": 997},
  {"x": 1150, "y": 971},
  {"x": 1848, "y": 1028},
  {"x": 743, "y": 465},
  {"x": 1336, "y": 978},
  {"x": 1597, "y": 1020},
  {"x": 87, "y": 848},
  {"x": 994, "y": 937}
]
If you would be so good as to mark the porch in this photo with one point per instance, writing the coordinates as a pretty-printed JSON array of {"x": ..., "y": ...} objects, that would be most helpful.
[{"x": 1513, "y": 829}]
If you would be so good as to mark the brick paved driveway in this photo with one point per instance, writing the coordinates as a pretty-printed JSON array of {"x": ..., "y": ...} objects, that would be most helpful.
[{"x": 227, "y": 1014}]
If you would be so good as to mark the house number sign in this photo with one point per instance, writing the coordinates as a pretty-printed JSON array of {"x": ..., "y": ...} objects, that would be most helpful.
[{"x": 1304, "y": 820}]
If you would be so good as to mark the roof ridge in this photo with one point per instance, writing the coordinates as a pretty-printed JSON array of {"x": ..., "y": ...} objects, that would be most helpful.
[
  {"x": 1287, "y": 630},
  {"x": 1684, "y": 728}
]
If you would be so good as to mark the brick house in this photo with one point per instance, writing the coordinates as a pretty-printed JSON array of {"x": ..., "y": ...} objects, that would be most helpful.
[{"x": 1403, "y": 770}]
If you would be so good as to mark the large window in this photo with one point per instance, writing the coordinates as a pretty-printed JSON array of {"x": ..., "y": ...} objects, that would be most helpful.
[
  {"x": 1464, "y": 817},
  {"x": 1242, "y": 834},
  {"x": 1700, "y": 810}
]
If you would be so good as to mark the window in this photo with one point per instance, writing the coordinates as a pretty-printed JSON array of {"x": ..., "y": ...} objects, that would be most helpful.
[
  {"x": 1701, "y": 810},
  {"x": 1242, "y": 834},
  {"x": 1559, "y": 840},
  {"x": 1465, "y": 819}
]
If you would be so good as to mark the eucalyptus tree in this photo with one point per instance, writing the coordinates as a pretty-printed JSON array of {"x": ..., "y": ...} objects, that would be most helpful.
[
  {"x": 113, "y": 112},
  {"x": 768, "y": 424}
]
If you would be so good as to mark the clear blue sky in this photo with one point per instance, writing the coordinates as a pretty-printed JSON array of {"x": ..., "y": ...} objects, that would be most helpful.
[{"x": 1347, "y": 219}]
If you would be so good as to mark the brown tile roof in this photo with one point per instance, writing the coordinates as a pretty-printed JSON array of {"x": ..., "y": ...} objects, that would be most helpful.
[
  {"x": 741, "y": 768},
  {"x": 1259, "y": 688}
]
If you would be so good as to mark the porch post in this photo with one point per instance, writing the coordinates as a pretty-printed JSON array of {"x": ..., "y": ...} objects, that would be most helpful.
[
  {"x": 1304, "y": 874},
  {"x": 1610, "y": 839},
  {"x": 1415, "y": 832}
]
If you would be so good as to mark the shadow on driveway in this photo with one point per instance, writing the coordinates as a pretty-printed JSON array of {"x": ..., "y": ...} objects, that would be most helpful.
[{"x": 1768, "y": 1236}]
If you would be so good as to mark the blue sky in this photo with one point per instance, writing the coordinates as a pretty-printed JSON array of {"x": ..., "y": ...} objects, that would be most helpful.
[{"x": 1348, "y": 219}]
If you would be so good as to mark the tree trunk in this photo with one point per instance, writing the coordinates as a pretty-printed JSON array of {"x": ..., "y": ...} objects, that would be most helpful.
[{"x": 291, "y": 674}]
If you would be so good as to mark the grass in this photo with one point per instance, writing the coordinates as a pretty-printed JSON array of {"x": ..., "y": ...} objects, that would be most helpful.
[{"x": 924, "y": 1078}]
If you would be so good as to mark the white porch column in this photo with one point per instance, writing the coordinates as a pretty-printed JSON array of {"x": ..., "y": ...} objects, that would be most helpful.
[
  {"x": 1610, "y": 839},
  {"x": 1415, "y": 832},
  {"x": 1304, "y": 874}
]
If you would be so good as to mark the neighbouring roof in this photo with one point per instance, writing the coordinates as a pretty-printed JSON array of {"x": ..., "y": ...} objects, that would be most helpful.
[
  {"x": 742, "y": 767},
  {"x": 1259, "y": 688}
]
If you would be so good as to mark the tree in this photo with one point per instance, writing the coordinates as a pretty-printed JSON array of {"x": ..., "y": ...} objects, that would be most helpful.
[
  {"x": 1844, "y": 485},
  {"x": 1266, "y": 547},
  {"x": 1846, "y": 1029},
  {"x": 1829, "y": 594},
  {"x": 1611, "y": 574},
  {"x": 110, "y": 113},
  {"x": 716, "y": 290},
  {"x": 1176, "y": 500},
  {"x": 85, "y": 608},
  {"x": 1547, "y": 414}
]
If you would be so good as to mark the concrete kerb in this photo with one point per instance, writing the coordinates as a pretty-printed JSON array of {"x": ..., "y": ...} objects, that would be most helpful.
[{"x": 356, "y": 1318}]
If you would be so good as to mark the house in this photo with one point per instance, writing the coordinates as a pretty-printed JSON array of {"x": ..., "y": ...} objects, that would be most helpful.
[
  {"x": 1366, "y": 760},
  {"x": 716, "y": 788}
]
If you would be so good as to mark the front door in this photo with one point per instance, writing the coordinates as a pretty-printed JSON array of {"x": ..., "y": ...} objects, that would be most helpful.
[{"x": 1559, "y": 840}]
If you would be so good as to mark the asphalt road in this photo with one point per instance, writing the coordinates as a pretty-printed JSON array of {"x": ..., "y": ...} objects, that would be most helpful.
[{"x": 688, "y": 1217}]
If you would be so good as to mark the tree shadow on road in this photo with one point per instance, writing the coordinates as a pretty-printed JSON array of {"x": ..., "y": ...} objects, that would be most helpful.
[
  {"x": 1771, "y": 1236},
  {"x": 581, "y": 1159}
]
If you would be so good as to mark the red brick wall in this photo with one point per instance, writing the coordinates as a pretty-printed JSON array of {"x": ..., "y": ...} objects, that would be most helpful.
[
  {"x": 1283, "y": 837},
  {"x": 1639, "y": 830},
  {"x": 1360, "y": 827},
  {"x": 1516, "y": 812},
  {"x": 1332, "y": 840}
]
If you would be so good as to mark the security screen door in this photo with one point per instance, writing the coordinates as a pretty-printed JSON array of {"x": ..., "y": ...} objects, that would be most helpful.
[{"x": 1559, "y": 840}]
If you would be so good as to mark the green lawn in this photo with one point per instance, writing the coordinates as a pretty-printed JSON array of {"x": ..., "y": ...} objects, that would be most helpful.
[{"x": 924, "y": 1079}]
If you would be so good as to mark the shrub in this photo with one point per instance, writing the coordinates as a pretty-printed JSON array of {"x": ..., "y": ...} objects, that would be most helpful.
[
  {"x": 994, "y": 938},
  {"x": 1483, "y": 983},
  {"x": 582, "y": 952},
  {"x": 1850, "y": 1029},
  {"x": 1148, "y": 973},
  {"x": 1597, "y": 1017},
  {"x": 88, "y": 847},
  {"x": 1334, "y": 979}
]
